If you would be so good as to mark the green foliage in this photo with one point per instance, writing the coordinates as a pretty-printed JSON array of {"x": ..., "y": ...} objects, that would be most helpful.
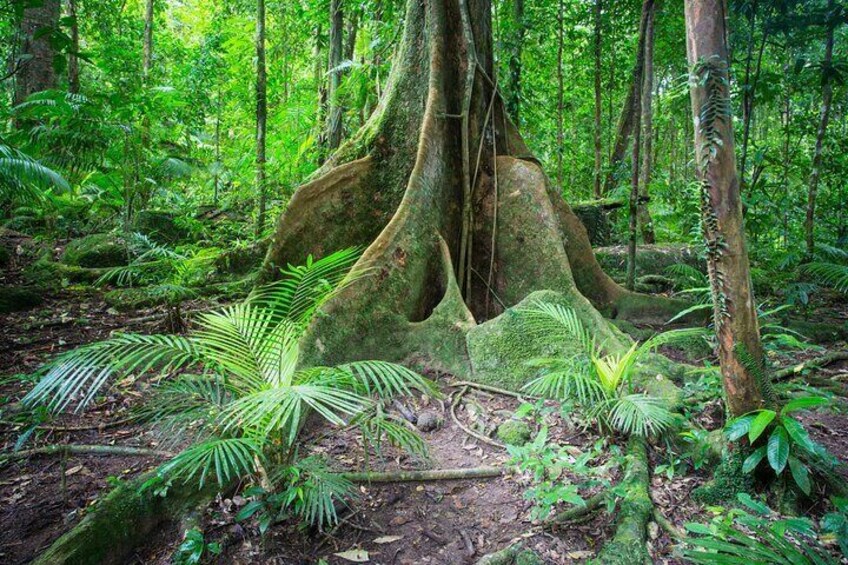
[
  {"x": 754, "y": 534},
  {"x": 835, "y": 523},
  {"x": 250, "y": 397},
  {"x": 602, "y": 383},
  {"x": 194, "y": 548},
  {"x": 788, "y": 442}
]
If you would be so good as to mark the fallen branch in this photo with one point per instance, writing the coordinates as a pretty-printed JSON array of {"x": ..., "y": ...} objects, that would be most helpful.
[
  {"x": 673, "y": 531},
  {"x": 430, "y": 475},
  {"x": 99, "y": 450},
  {"x": 465, "y": 428},
  {"x": 816, "y": 363},
  {"x": 490, "y": 388},
  {"x": 87, "y": 427},
  {"x": 578, "y": 512}
]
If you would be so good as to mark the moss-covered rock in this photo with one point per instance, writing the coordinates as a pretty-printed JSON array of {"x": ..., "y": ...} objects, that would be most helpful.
[
  {"x": 650, "y": 259},
  {"x": 241, "y": 260},
  {"x": 96, "y": 251},
  {"x": 160, "y": 226},
  {"x": 514, "y": 432},
  {"x": 512, "y": 555},
  {"x": 728, "y": 480},
  {"x": 19, "y": 298}
]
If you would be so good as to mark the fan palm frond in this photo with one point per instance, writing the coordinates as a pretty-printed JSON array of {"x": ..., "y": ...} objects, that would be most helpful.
[
  {"x": 563, "y": 379},
  {"x": 640, "y": 414},
  {"x": 81, "y": 373},
  {"x": 228, "y": 458},
  {"x": 832, "y": 275},
  {"x": 554, "y": 321},
  {"x": 303, "y": 289}
]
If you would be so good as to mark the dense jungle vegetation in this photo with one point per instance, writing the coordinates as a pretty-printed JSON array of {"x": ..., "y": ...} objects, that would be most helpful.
[{"x": 424, "y": 281}]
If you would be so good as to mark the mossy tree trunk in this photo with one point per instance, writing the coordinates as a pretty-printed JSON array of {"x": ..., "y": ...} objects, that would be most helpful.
[
  {"x": 457, "y": 218},
  {"x": 38, "y": 24},
  {"x": 735, "y": 316}
]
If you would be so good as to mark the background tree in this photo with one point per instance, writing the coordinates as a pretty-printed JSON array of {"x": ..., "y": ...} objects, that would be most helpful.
[
  {"x": 36, "y": 60},
  {"x": 735, "y": 317}
]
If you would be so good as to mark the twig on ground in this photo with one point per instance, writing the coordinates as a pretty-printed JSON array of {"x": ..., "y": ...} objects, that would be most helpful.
[
  {"x": 465, "y": 428},
  {"x": 815, "y": 363},
  {"x": 430, "y": 475}
]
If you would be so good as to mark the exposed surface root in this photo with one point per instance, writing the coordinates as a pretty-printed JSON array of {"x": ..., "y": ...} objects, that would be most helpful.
[
  {"x": 58, "y": 449},
  {"x": 123, "y": 520},
  {"x": 465, "y": 428},
  {"x": 635, "y": 509}
]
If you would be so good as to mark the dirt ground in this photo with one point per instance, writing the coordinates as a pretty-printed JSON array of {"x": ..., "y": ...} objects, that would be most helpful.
[{"x": 445, "y": 522}]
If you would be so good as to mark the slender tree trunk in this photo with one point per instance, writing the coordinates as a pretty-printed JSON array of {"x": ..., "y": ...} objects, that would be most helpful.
[
  {"x": 735, "y": 317},
  {"x": 218, "y": 110},
  {"x": 261, "y": 114},
  {"x": 645, "y": 222},
  {"x": 638, "y": 80},
  {"x": 334, "y": 109},
  {"x": 749, "y": 92},
  {"x": 626, "y": 120},
  {"x": 560, "y": 89},
  {"x": 73, "y": 56},
  {"x": 824, "y": 117},
  {"x": 147, "y": 48},
  {"x": 37, "y": 72},
  {"x": 514, "y": 99},
  {"x": 596, "y": 189}
]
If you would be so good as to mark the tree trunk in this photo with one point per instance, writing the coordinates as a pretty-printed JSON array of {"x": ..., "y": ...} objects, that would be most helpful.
[
  {"x": 739, "y": 349},
  {"x": 514, "y": 101},
  {"x": 261, "y": 115},
  {"x": 824, "y": 117},
  {"x": 596, "y": 188},
  {"x": 560, "y": 88},
  {"x": 334, "y": 109},
  {"x": 645, "y": 222},
  {"x": 626, "y": 120},
  {"x": 638, "y": 80},
  {"x": 73, "y": 56},
  {"x": 147, "y": 47},
  {"x": 37, "y": 72},
  {"x": 439, "y": 203}
]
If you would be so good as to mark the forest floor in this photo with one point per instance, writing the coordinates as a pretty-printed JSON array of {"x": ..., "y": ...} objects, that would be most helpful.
[{"x": 438, "y": 522}]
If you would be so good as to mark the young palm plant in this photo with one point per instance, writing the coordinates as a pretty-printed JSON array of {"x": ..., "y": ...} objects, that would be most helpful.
[
  {"x": 601, "y": 382},
  {"x": 236, "y": 386}
]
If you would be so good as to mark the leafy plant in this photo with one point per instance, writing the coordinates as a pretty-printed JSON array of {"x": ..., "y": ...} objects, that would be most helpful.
[
  {"x": 248, "y": 395},
  {"x": 835, "y": 524},
  {"x": 194, "y": 548},
  {"x": 788, "y": 442},
  {"x": 602, "y": 382},
  {"x": 738, "y": 536}
]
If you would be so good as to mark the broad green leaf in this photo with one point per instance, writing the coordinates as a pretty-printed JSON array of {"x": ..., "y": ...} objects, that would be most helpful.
[
  {"x": 746, "y": 500},
  {"x": 738, "y": 427},
  {"x": 778, "y": 449},
  {"x": 798, "y": 434},
  {"x": 803, "y": 403},
  {"x": 760, "y": 423},
  {"x": 753, "y": 460},
  {"x": 800, "y": 474}
]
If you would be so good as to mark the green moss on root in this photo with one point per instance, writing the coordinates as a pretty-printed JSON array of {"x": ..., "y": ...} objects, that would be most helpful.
[
  {"x": 727, "y": 482},
  {"x": 96, "y": 251}
]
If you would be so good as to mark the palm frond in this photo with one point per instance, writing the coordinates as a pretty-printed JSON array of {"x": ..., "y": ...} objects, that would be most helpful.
[
  {"x": 377, "y": 427},
  {"x": 673, "y": 336},
  {"x": 303, "y": 289},
  {"x": 553, "y": 321},
  {"x": 640, "y": 414},
  {"x": 187, "y": 401},
  {"x": 386, "y": 379},
  {"x": 81, "y": 373},
  {"x": 832, "y": 275},
  {"x": 227, "y": 458},
  {"x": 315, "y": 490},
  {"x": 565, "y": 378}
]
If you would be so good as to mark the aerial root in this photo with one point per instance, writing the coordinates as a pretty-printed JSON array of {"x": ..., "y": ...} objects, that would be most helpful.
[{"x": 466, "y": 429}]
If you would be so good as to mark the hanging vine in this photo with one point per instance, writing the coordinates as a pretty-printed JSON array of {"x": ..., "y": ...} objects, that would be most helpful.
[{"x": 712, "y": 75}]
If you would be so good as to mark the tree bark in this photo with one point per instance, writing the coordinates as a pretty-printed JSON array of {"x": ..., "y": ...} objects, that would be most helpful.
[
  {"x": 626, "y": 120},
  {"x": 147, "y": 47},
  {"x": 37, "y": 72},
  {"x": 334, "y": 109},
  {"x": 261, "y": 115},
  {"x": 739, "y": 349},
  {"x": 824, "y": 117},
  {"x": 560, "y": 88},
  {"x": 73, "y": 56},
  {"x": 644, "y": 215},
  {"x": 638, "y": 80},
  {"x": 514, "y": 101},
  {"x": 596, "y": 188}
]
